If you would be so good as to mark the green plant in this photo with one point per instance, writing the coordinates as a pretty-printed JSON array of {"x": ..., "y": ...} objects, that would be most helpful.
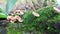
[
  {"x": 37, "y": 23},
  {"x": 44, "y": 23},
  {"x": 2, "y": 15}
]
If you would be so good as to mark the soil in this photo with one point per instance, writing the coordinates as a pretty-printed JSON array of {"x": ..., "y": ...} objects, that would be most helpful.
[{"x": 3, "y": 22}]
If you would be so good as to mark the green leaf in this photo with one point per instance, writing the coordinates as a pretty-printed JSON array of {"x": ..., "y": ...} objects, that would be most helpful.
[{"x": 2, "y": 15}]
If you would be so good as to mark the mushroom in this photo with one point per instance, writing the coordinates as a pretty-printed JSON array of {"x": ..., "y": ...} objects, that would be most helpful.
[{"x": 35, "y": 14}]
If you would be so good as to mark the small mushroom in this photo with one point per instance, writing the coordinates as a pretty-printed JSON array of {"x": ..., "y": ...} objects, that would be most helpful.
[
  {"x": 11, "y": 19},
  {"x": 35, "y": 14},
  {"x": 57, "y": 9},
  {"x": 18, "y": 18}
]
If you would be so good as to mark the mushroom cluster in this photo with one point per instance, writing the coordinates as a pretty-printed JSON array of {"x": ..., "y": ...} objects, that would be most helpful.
[{"x": 15, "y": 15}]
